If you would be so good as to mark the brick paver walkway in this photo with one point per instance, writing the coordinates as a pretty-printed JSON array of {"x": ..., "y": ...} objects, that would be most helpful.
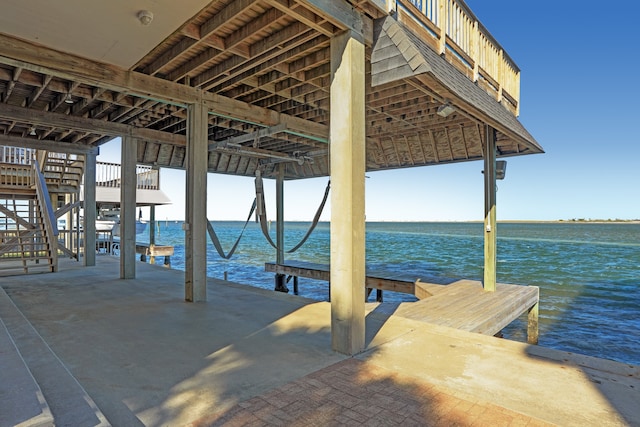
[{"x": 355, "y": 393}]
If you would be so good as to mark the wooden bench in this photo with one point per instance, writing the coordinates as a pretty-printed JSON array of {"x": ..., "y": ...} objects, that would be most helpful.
[
  {"x": 152, "y": 251},
  {"x": 378, "y": 280},
  {"x": 461, "y": 304}
]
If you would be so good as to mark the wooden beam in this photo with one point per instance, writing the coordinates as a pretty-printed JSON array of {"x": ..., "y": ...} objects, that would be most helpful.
[
  {"x": 269, "y": 52},
  {"x": 29, "y": 56},
  {"x": 63, "y": 121},
  {"x": 304, "y": 15},
  {"x": 82, "y": 124},
  {"x": 344, "y": 16},
  {"x": 169, "y": 56},
  {"x": 262, "y": 116},
  {"x": 260, "y": 133},
  {"x": 49, "y": 145}
]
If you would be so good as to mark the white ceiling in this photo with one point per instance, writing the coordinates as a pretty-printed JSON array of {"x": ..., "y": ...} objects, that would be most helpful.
[{"x": 104, "y": 30}]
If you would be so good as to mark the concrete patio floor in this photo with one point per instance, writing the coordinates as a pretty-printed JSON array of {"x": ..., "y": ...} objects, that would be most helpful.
[{"x": 136, "y": 354}]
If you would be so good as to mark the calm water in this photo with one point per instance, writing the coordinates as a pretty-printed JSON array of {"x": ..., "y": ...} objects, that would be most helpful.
[{"x": 588, "y": 274}]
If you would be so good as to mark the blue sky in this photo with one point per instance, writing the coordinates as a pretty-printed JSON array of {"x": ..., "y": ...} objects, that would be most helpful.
[{"x": 580, "y": 93}]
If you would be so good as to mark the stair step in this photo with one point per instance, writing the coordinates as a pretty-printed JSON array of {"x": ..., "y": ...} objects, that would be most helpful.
[
  {"x": 68, "y": 401},
  {"x": 21, "y": 400}
]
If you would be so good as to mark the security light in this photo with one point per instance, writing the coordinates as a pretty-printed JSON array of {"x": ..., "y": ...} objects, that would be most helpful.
[
  {"x": 445, "y": 110},
  {"x": 501, "y": 169}
]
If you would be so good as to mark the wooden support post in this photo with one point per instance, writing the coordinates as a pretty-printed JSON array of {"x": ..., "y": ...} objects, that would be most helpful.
[
  {"x": 490, "y": 229},
  {"x": 195, "y": 285},
  {"x": 347, "y": 148},
  {"x": 89, "y": 225},
  {"x": 128, "y": 185},
  {"x": 152, "y": 232},
  {"x": 152, "y": 224},
  {"x": 532, "y": 324},
  {"x": 78, "y": 234},
  {"x": 280, "y": 279}
]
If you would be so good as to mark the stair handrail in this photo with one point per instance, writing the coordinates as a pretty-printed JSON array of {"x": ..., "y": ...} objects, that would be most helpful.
[{"x": 48, "y": 215}]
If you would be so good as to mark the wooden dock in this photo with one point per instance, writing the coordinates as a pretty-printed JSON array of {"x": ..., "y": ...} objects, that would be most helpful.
[
  {"x": 152, "y": 251},
  {"x": 461, "y": 304}
]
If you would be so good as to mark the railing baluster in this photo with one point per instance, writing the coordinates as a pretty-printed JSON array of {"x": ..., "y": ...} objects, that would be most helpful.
[{"x": 442, "y": 24}]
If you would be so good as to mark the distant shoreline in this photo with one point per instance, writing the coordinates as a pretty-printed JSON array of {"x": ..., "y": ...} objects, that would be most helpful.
[
  {"x": 571, "y": 221},
  {"x": 505, "y": 221}
]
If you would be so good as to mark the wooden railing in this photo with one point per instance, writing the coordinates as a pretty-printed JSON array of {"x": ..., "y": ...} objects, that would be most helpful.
[
  {"x": 456, "y": 30},
  {"x": 108, "y": 175},
  {"x": 16, "y": 175},
  {"x": 16, "y": 155},
  {"x": 58, "y": 168}
]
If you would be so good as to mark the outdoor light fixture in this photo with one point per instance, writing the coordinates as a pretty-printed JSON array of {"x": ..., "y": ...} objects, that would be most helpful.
[
  {"x": 501, "y": 169},
  {"x": 68, "y": 99},
  {"x": 32, "y": 131},
  {"x": 445, "y": 110},
  {"x": 145, "y": 17}
]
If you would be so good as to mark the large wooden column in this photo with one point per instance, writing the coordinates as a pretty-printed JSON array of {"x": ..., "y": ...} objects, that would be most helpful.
[
  {"x": 490, "y": 228},
  {"x": 89, "y": 225},
  {"x": 347, "y": 139},
  {"x": 280, "y": 279},
  {"x": 195, "y": 285},
  {"x": 128, "y": 185},
  {"x": 152, "y": 223}
]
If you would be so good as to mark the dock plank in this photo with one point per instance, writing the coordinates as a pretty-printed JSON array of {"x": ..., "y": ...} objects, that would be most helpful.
[{"x": 465, "y": 305}]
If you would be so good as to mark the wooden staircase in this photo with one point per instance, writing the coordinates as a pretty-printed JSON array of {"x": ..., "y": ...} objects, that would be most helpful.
[
  {"x": 25, "y": 246},
  {"x": 62, "y": 171},
  {"x": 28, "y": 232}
]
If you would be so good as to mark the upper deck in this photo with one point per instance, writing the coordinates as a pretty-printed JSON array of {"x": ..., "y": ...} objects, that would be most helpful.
[{"x": 263, "y": 69}]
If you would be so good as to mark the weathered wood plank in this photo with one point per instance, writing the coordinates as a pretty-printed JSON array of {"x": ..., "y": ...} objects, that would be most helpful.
[
  {"x": 465, "y": 305},
  {"x": 374, "y": 279}
]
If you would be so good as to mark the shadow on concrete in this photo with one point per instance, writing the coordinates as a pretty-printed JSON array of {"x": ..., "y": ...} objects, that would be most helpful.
[
  {"x": 353, "y": 392},
  {"x": 254, "y": 356},
  {"x": 148, "y": 358}
]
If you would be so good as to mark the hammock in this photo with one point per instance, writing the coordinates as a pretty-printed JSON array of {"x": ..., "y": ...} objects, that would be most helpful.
[
  {"x": 262, "y": 215},
  {"x": 216, "y": 241}
]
